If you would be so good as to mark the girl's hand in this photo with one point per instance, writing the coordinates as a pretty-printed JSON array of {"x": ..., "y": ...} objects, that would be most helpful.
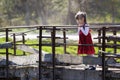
[{"x": 90, "y": 30}]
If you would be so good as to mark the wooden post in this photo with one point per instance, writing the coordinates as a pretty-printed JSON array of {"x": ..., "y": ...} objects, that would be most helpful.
[
  {"x": 7, "y": 55},
  {"x": 103, "y": 38},
  {"x": 99, "y": 39},
  {"x": 23, "y": 40},
  {"x": 53, "y": 50},
  {"x": 14, "y": 41},
  {"x": 64, "y": 40},
  {"x": 115, "y": 42},
  {"x": 103, "y": 49},
  {"x": 40, "y": 52},
  {"x": 103, "y": 66}
]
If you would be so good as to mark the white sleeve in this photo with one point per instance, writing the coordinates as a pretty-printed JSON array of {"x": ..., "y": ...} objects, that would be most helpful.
[
  {"x": 85, "y": 31},
  {"x": 78, "y": 30}
]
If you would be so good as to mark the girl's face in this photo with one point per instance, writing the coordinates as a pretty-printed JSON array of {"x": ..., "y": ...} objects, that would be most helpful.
[{"x": 80, "y": 21}]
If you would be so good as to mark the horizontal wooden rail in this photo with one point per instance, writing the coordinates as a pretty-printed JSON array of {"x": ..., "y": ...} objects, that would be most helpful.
[
  {"x": 18, "y": 34},
  {"x": 55, "y": 37},
  {"x": 92, "y": 25},
  {"x": 107, "y": 54},
  {"x": 2, "y": 30},
  {"x": 117, "y": 65}
]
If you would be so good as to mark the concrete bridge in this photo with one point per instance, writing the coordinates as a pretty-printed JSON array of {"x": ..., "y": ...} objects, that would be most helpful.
[{"x": 61, "y": 67}]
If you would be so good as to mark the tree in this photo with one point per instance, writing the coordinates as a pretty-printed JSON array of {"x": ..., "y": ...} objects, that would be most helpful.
[{"x": 28, "y": 12}]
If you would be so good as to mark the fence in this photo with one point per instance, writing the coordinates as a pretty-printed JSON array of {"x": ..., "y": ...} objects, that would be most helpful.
[{"x": 102, "y": 28}]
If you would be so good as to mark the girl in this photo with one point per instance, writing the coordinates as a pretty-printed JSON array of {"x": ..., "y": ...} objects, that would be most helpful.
[{"x": 84, "y": 35}]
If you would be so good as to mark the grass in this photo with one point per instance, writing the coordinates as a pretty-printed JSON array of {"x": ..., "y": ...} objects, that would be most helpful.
[
  {"x": 19, "y": 52},
  {"x": 59, "y": 50}
]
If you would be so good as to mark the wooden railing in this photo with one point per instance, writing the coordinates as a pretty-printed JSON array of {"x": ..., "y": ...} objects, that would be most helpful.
[
  {"x": 106, "y": 66},
  {"x": 102, "y": 28}
]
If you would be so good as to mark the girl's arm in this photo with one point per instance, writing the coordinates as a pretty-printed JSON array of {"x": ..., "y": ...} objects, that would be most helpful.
[{"x": 78, "y": 30}]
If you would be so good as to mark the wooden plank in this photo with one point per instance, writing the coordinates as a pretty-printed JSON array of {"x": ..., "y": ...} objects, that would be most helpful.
[
  {"x": 10, "y": 78},
  {"x": 98, "y": 37},
  {"x": 116, "y": 65},
  {"x": 108, "y": 45},
  {"x": 44, "y": 44},
  {"x": 27, "y": 49},
  {"x": 18, "y": 34},
  {"x": 113, "y": 55},
  {"x": 93, "y": 25},
  {"x": 108, "y": 54},
  {"x": 50, "y": 37},
  {"x": 109, "y": 38},
  {"x": 113, "y": 38},
  {"x": 6, "y": 45},
  {"x": 4, "y": 30},
  {"x": 28, "y": 44}
]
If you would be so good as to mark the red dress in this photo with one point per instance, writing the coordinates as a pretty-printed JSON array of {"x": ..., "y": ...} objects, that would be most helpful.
[{"x": 85, "y": 39}]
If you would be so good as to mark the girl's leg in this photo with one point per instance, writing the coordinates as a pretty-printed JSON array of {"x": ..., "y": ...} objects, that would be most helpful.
[{"x": 92, "y": 67}]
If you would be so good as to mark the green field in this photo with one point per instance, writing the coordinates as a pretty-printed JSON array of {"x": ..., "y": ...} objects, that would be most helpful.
[{"x": 59, "y": 49}]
